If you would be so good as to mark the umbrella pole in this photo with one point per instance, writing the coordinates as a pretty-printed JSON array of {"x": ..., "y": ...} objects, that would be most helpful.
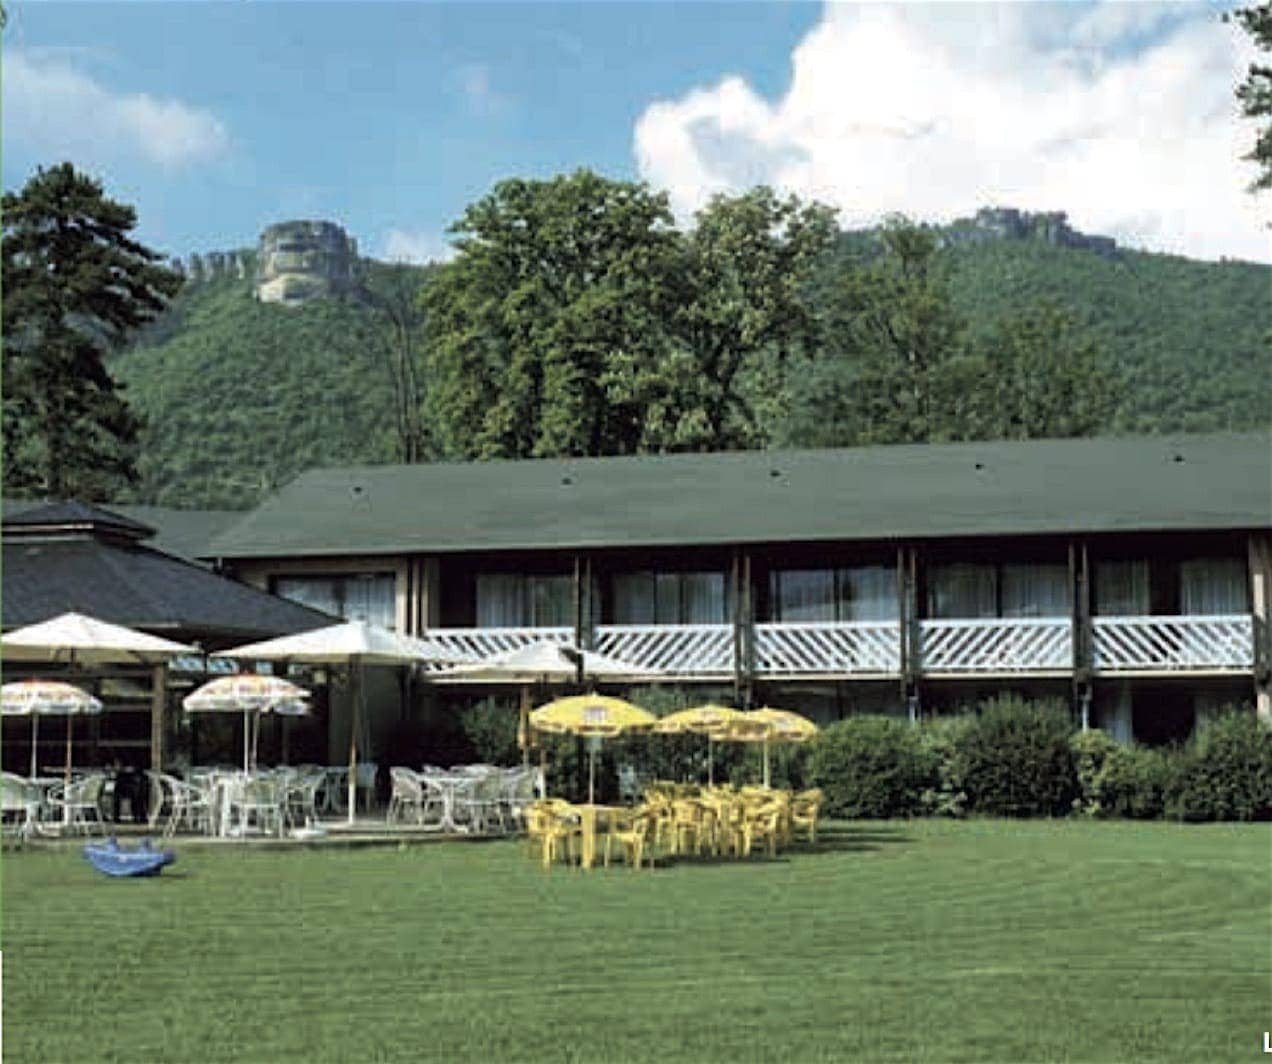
[
  {"x": 247, "y": 728},
  {"x": 35, "y": 742},
  {"x": 66, "y": 805},
  {"x": 710, "y": 765},
  {"x": 355, "y": 682},
  {"x": 591, "y": 777},
  {"x": 766, "y": 762}
]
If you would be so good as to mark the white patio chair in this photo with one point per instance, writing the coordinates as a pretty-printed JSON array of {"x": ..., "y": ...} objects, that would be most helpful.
[
  {"x": 523, "y": 790},
  {"x": 79, "y": 805},
  {"x": 407, "y": 796},
  {"x": 189, "y": 805},
  {"x": 302, "y": 797},
  {"x": 20, "y": 803},
  {"x": 255, "y": 803},
  {"x": 435, "y": 813}
]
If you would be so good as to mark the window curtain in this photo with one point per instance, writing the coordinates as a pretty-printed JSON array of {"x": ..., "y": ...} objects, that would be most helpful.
[
  {"x": 669, "y": 598},
  {"x": 1035, "y": 590},
  {"x": 552, "y": 601},
  {"x": 357, "y": 597},
  {"x": 634, "y": 598},
  {"x": 804, "y": 595},
  {"x": 963, "y": 591},
  {"x": 1122, "y": 589},
  {"x": 868, "y": 593},
  {"x": 501, "y": 600},
  {"x": 370, "y": 599},
  {"x": 318, "y": 593},
  {"x": 1213, "y": 585}
]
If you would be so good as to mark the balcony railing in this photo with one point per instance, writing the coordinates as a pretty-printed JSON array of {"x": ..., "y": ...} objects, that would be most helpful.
[
  {"x": 828, "y": 648},
  {"x": 1027, "y": 645},
  {"x": 478, "y": 643},
  {"x": 670, "y": 649},
  {"x": 1173, "y": 644}
]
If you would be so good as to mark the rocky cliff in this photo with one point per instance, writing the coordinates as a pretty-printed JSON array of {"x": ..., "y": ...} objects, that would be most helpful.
[{"x": 303, "y": 260}]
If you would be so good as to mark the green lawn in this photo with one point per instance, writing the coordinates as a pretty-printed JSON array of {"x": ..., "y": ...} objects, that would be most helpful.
[{"x": 924, "y": 941}]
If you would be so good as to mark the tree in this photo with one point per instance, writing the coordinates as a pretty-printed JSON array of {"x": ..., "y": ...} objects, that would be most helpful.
[
  {"x": 75, "y": 286},
  {"x": 744, "y": 311},
  {"x": 1040, "y": 375},
  {"x": 393, "y": 293},
  {"x": 1255, "y": 92},
  {"x": 895, "y": 347},
  {"x": 547, "y": 331}
]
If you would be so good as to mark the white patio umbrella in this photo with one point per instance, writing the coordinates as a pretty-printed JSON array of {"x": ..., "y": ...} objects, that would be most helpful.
[
  {"x": 541, "y": 662},
  {"x": 46, "y": 698},
  {"x": 251, "y": 695},
  {"x": 80, "y": 641},
  {"x": 353, "y": 644}
]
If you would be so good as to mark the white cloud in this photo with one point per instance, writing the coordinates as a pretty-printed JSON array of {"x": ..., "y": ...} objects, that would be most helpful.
[
  {"x": 475, "y": 86},
  {"x": 402, "y": 245},
  {"x": 1122, "y": 114},
  {"x": 54, "y": 110}
]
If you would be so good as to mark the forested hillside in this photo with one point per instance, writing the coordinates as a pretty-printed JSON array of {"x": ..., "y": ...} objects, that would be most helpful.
[{"x": 240, "y": 396}]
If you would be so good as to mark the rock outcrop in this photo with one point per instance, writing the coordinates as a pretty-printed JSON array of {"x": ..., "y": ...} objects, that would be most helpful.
[
  {"x": 1009, "y": 223},
  {"x": 303, "y": 260}
]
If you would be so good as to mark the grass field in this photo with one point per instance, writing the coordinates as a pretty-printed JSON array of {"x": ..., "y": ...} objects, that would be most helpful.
[{"x": 924, "y": 941}]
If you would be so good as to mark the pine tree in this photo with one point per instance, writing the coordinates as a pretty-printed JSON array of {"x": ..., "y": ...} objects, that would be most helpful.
[{"x": 75, "y": 286}]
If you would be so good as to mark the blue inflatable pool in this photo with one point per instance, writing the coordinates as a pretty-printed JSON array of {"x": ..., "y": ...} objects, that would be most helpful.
[{"x": 111, "y": 859}]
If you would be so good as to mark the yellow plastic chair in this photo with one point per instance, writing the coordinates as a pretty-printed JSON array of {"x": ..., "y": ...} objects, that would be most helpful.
[
  {"x": 632, "y": 836},
  {"x": 804, "y": 809}
]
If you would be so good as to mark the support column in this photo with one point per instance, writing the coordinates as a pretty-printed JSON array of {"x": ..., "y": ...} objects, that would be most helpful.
[
  {"x": 578, "y": 617},
  {"x": 1080, "y": 590},
  {"x": 1260, "y": 554},
  {"x": 911, "y": 634},
  {"x": 158, "y": 707}
]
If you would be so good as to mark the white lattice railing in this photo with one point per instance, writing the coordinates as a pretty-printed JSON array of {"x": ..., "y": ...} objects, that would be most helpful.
[
  {"x": 1166, "y": 644},
  {"x": 478, "y": 643},
  {"x": 670, "y": 649},
  {"x": 1034, "y": 644},
  {"x": 804, "y": 648}
]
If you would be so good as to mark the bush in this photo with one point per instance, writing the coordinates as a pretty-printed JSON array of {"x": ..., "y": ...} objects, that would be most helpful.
[
  {"x": 1225, "y": 773},
  {"x": 871, "y": 767},
  {"x": 1013, "y": 758},
  {"x": 939, "y": 738},
  {"x": 1116, "y": 780}
]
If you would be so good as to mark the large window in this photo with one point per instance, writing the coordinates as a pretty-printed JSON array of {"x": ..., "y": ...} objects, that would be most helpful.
[
  {"x": 862, "y": 593},
  {"x": 521, "y": 600},
  {"x": 1122, "y": 588},
  {"x": 962, "y": 591},
  {"x": 670, "y": 598},
  {"x": 1213, "y": 585},
  {"x": 353, "y": 596}
]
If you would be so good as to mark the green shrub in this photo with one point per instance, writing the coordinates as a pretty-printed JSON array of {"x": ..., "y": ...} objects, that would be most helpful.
[
  {"x": 1115, "y": 780},
  {"x": 938, "y": 738},
  {"x": 1225, "y": 773},
  {"x": 1013, "y": 759},
  {"x": 871, "y": 767}
]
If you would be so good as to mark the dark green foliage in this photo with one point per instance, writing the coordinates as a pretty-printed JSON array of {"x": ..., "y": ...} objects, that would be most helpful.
[
  {"x": 490, "y": 727},
  {"x": 1013, "y": 759},
  {"x": 249, "y": 394},
  {"x": 1255, "y": 92},
  {"x": 1225, "y": 773},
  {"x": 75, "y": 287},
  {"x": 1115, "y": 780},
  {"x": 871, "y": 767},
  {"x": 939, "y": 739}
]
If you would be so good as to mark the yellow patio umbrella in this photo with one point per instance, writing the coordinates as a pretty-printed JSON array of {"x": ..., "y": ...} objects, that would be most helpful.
[
  {"x": 781, "y": 726},
  {"x": 710, "y": 720},
  {"x": 591, "y": 716}
]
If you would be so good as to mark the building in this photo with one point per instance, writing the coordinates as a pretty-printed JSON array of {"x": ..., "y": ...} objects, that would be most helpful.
[{"x": 1130, "y": 576}]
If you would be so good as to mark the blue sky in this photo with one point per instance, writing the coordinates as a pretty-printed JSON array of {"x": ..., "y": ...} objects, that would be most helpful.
[{"x": 216, "y": 119}]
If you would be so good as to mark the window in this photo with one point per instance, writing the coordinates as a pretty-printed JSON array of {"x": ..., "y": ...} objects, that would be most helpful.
[
  {"x": 863, "y": 593},
  {"x": 1122, "y": 588},
  {"x": 966, "y": 591},
  {"x": 670, "y": 598},
  {"x": 353, "y": 596},
  {"x": 1213, "y": 585},
  {"x": 522, "y": 600}
]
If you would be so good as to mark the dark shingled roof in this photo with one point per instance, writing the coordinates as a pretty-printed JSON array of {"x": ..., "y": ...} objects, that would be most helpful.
[
  {"x": 139, "y": 587},
  {"x": 184, "y": 533},
  {"x": 74, "y": 514},
  {"x": 913, "y": 491}
]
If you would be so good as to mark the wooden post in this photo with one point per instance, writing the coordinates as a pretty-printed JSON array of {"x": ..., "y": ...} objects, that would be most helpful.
[
  {"x": 912, "y": 633},
  {"x": 1260, "y": 555},
  {"x": 158, "y": 706},
  {"x": 578, "y": 618},
  {"x": 735, "y": 591}
]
